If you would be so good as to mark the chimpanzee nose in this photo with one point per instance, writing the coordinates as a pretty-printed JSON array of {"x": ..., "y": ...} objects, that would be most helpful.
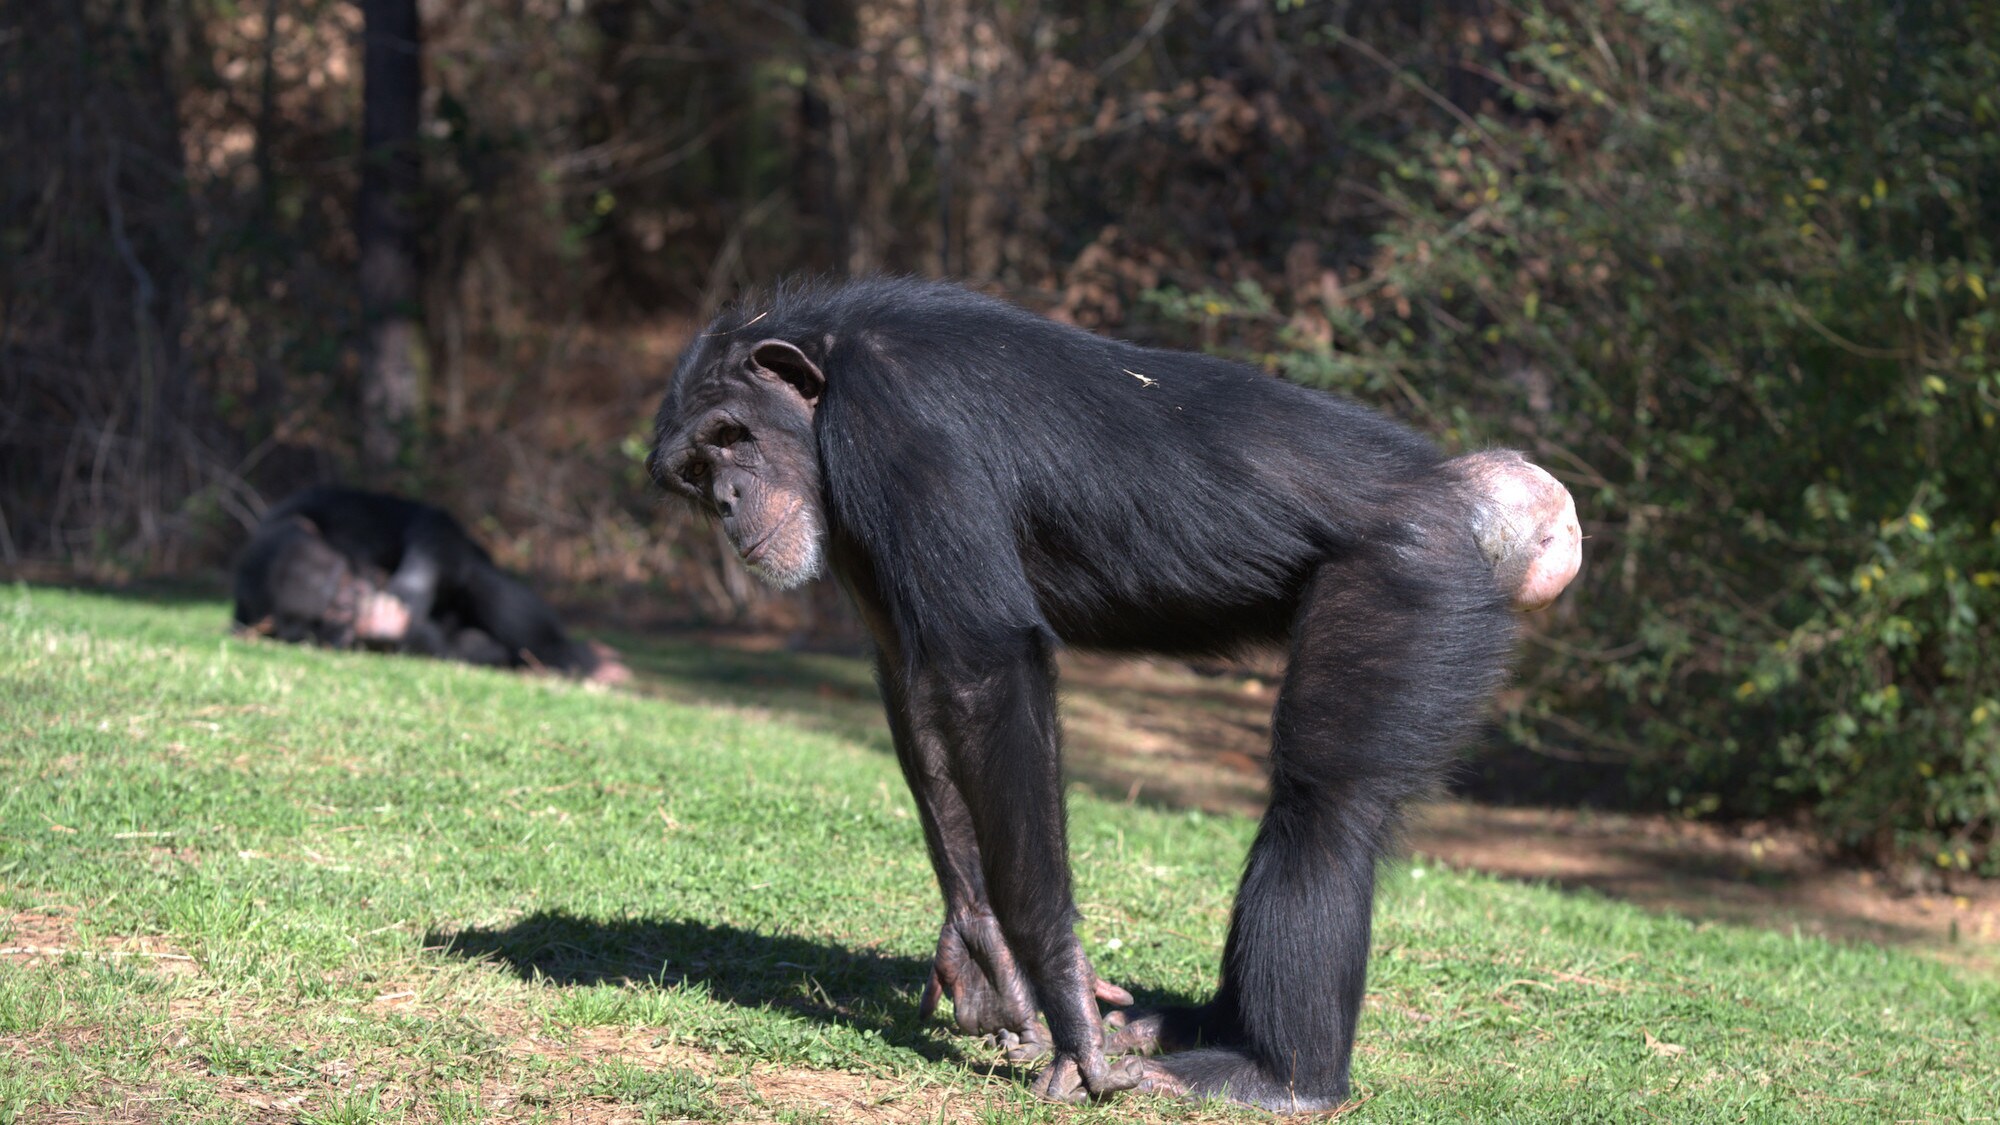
[{"x": 725, "y": 500}]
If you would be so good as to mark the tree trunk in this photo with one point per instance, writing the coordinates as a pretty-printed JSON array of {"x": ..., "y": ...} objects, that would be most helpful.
[
  {"x": 386, "y": 230},
  {"x": 830, "y": 36}
]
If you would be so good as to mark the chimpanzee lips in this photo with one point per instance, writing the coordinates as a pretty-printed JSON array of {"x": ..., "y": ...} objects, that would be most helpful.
[{"x": 755, "y": 552}]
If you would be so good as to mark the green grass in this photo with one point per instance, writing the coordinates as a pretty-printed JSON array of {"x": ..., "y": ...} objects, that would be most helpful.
[{"x": 344, "y": 888}]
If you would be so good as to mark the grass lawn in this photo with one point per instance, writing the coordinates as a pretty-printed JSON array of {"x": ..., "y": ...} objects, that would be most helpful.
[{"x": 243, "y": 881}]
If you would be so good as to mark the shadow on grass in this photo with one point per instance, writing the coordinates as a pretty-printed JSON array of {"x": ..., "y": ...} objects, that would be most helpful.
[{"x": 818, "y": 980}]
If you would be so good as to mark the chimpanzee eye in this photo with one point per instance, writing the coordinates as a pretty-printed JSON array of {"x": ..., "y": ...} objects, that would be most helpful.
[
  {"x": 694, "y": 472},
  {"x": 728, "y": 435}
]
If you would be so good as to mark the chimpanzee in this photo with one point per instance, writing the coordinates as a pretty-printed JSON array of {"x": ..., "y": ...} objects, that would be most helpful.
[
  {"x": 344, "y": 568},
  {"x": 988, "y": 484}
]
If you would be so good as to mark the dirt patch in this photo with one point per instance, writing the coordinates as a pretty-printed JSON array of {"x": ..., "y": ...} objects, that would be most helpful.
[
  {"x": 1756, "y": 875},
  {"x": 756, "y": 1092},
  {"x": 43, "y": 937}
]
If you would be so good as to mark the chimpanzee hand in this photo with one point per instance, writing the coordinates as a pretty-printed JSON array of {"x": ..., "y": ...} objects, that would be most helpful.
[
  {"x": 1087, "y": 1074},
  {"x": 989, "y": 993}
]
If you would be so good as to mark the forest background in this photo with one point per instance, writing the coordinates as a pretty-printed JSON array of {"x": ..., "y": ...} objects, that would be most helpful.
[{"x": 1724, "y": 266}]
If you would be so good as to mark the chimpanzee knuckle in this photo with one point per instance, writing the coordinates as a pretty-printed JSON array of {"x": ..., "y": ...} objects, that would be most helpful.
[
  {"x": 1027, "y": 1044},
  {"x": 1060, "y": 1081},
  {"x": 1125, "y": 1074},
  {"x": 1156, "y": 1079}
]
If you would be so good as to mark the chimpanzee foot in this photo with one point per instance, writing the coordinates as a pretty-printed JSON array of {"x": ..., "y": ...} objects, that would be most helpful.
[
  {"x": 611, "y": 669},
  {"x": 1230, "y": 1075},
  {"x": 1151, "y": 1031},
  {"x": 1073, "y": 1078}
]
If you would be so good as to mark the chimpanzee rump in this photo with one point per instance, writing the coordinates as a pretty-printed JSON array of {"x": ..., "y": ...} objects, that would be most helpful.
[
  {"x": 341, "y": 567},
  {"x": 988, "y": 484}
]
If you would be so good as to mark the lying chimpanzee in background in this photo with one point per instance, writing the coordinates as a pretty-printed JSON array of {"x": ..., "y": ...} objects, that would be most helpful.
[
  {"x": 988, "y": 485},
  {"x": 346, "y": 568}
]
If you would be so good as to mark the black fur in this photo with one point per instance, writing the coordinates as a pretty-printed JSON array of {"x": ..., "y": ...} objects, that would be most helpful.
[
  {"x": 299, "y": 574},
  {"x": 995, "y": 484}
]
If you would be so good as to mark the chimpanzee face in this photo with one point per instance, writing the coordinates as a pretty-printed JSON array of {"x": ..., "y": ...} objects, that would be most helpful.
[{"x": 734, "y": 437}]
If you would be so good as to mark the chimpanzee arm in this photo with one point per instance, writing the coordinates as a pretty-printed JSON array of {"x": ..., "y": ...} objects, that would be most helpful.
[
  {"x": 973, "y": 966},
  {"x": 969, "y": 679},
  {"x": 996, "y": 718},
  {"x": 435, "y": 551}
]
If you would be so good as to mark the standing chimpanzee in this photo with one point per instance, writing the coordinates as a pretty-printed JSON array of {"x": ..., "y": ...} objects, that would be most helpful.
[
  {"x": 341, "y": 567},
  {"x": 988, "y": 484}
]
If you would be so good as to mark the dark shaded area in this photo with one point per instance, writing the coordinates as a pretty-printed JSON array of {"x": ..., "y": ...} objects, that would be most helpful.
[
  {"x": 857, "y": 988},
  {"x": 1510, "y": 774}
]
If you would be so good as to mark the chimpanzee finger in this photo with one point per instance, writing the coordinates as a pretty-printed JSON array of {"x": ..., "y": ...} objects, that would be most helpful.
[
  {"x": 1112, "y": 994},
  {"x": 933, "y": 992},
  {"x": 1025, "y": 1045},
  {"x": 1128, "y": 1034},
  {"x": 1060, "y": 1081}
]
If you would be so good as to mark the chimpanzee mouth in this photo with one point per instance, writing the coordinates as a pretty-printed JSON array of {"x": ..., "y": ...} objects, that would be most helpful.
[{"x": 754, "y": 553}]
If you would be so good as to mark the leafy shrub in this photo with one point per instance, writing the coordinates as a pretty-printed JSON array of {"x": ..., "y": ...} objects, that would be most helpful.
[{"x": 1729, "y": 266}]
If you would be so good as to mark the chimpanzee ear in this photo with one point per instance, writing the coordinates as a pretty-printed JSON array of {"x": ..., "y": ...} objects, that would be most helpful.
[{"x": 783, "y": 360}]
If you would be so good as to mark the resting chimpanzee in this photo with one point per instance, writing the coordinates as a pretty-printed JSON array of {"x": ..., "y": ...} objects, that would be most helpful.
[
  {"x": 341, "y": 567},
  {"x": 988, "y": 484}
]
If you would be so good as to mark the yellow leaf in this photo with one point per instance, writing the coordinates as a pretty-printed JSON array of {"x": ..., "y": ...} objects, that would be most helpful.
[
  {"x": 1919, "y": 520},
  {"x": 1977, "y": 284},
  {"x": 1934, "y": 385},
  {"x": 1881, "y": 189},
  {"x": 1979, "y": 714},
  {"x": 1663, "y": 1050},
  {"x": 1816, "y": 184},
  {"x": 1746, "y": 689},
  {"x": 1986, "y": 578}
]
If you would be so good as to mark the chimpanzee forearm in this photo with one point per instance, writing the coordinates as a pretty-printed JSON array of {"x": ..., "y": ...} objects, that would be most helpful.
[
  {"x": 434, "y": 552},
  {"x": 973, "y": 965},
  {"x": 996, "y": 716}
]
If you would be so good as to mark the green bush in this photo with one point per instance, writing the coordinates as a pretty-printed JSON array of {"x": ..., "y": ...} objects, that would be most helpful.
[{"x": 1730, "y": 269}]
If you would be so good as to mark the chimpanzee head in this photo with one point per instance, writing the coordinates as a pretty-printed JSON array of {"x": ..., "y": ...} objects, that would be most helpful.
[{"x": 734, "y": 437}]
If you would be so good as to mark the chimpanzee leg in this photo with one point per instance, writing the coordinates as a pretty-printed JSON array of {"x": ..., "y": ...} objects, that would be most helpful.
[
  {"x": 996, "y": 720},
  {"x": 1393, "y": 654}
]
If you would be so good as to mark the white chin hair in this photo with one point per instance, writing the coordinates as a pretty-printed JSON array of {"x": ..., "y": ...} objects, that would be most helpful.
[{"x": 806, "y": 571}]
